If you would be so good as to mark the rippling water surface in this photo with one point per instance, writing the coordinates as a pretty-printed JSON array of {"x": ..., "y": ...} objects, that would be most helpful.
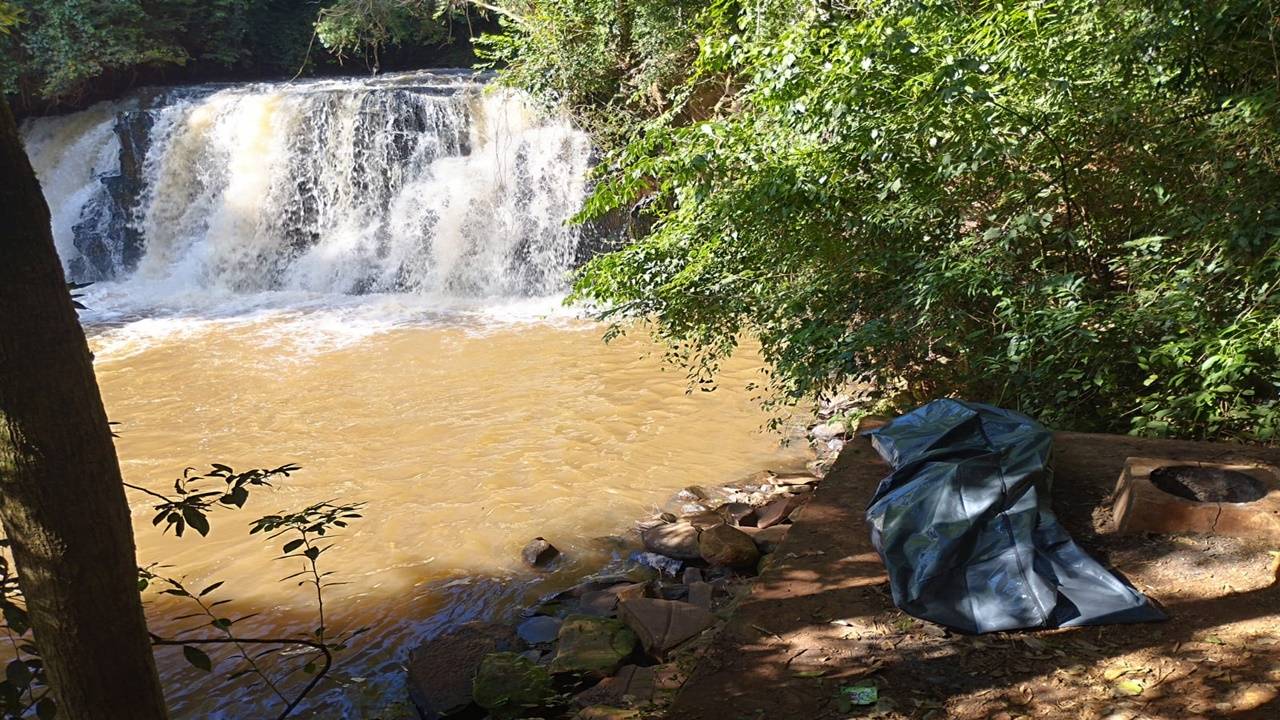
[
  {"x": 466, "y": 436},
  {"x": 362, "y": 277}
]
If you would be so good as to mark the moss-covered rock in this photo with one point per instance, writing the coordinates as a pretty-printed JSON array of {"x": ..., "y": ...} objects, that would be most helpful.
[
  {"x": 592, "y": 646},
  {"x": 507, "y": 685}
]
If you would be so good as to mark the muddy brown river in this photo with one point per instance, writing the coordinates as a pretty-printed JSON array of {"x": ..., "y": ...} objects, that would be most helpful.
[
  {"x": 364, "y": 277},
  {"x": 466, "y": 439}
]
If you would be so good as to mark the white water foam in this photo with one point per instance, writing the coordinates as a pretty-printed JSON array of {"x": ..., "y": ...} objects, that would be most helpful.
[{"x": 351, "y": 205}]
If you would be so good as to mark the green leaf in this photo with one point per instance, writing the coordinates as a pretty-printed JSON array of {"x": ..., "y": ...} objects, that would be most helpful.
[
  {"x": 197, "y": 657},
  {"x": 211, "y": 588},
  {"x": 16, "y": 618},
  {"x": 18, "y": 673},
  {"x": 1129, "y": 687},
  {"x": 291, "y": 546},
  {"x": 196, "y": 519}
]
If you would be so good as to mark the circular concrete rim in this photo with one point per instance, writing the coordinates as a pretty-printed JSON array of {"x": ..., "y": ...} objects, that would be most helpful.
[{"x": 1241, "y": 487}]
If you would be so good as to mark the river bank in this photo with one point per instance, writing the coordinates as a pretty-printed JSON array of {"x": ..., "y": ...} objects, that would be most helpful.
[
  {"x": 811, "y": 631},
  {"x": 819, "y": 637},
  {"x": 623, "y": 640}
]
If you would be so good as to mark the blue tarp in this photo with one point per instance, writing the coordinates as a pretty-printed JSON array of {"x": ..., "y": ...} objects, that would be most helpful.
[{"x": 966, "y": 532}]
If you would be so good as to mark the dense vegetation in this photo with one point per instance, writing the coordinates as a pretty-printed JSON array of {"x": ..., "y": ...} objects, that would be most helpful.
[
  {"x": 1070, "y": 207},
  {"x": 61, "y": 50}
]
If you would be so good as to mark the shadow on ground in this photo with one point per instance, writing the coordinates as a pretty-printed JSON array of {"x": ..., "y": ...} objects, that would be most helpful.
[{"x": 822, "y": 619}]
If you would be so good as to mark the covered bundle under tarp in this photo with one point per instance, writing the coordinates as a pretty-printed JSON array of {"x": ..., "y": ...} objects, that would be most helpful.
[{"x": 966, "y": 532}]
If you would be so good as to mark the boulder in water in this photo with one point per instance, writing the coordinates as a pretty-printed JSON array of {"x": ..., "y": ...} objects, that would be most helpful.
[
  {"x": 539, "y": 630},
  {"x": 539, "y": 553},
  {"x": 678, "y": 540}
]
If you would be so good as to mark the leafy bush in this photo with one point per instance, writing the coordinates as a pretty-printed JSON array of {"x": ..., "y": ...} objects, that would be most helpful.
[
  {"x": 1067, "y": 207},
  {"x": 61, "y": 47},
  {"x": 612, "y": 64}
]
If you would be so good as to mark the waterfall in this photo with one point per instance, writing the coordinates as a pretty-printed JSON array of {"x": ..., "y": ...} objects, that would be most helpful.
[{"x": 429, "y": 183}]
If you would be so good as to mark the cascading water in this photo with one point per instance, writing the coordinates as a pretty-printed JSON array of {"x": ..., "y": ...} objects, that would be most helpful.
[
  {"x": 361, "y": 276},
  {"x": 425, "y": 183}
]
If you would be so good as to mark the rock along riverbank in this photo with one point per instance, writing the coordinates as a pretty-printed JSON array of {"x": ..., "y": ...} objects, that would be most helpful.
[{"x": 620, "y": 644}]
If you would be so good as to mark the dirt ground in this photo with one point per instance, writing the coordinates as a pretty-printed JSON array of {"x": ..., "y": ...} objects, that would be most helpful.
[{"x": 821, "y": 619}]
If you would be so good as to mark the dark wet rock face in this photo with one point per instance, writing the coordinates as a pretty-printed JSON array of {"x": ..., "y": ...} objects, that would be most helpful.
[
  {"x": 441, "y": 670},
  {"x": 539, "y": 553},
  {"x": 106, "y": 235}
]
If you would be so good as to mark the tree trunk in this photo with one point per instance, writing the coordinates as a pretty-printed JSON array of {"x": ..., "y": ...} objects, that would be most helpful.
[{"x": 61, "y": 498}]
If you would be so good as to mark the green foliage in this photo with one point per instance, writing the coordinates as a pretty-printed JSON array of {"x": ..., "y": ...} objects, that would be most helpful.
[
  {"x": 1068, "y": 207},
  {"x": 10, "y": 16},
  {"x": 610, "y": 63},
  {"x": 369, "y": 26},
  {"x": 25, "y": 690},
  {"x": 192, "y": 502},
  {"x": 62, "y": 43}
]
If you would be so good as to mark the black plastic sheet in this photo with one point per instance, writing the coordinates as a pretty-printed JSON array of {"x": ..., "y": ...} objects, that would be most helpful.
[{"x": 966, "y": 532}]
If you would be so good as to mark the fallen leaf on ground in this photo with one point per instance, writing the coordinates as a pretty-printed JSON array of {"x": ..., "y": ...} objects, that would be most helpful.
[
  {"x": 861, "y": 694},
  {"x": 1129, "y": 687}
]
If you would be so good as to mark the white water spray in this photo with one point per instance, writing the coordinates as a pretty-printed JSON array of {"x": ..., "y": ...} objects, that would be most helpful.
[{"x": 423, "y": 183}]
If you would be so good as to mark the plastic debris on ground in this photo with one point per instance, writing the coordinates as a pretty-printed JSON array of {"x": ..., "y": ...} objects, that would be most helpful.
[{"x": 966, "y": 532}]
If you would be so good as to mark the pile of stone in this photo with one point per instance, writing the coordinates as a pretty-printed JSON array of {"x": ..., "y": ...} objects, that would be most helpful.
[
  {"x": 834, "y": 423},
  {"x": 617, "y": 643}
]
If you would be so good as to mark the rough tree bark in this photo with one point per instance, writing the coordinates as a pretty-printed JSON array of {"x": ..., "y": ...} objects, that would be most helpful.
[{"x": 61, "y": 498}]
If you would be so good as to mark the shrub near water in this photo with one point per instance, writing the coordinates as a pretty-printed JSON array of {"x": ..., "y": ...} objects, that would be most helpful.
[{"x": 1068, "y": 208}]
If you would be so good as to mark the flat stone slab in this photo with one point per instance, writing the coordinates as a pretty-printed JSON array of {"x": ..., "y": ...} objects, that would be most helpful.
[
  {"x": 663, "y": 624},
  {"x": 776, "y": 511},
  {"x": 768, "y": 539},
  {"x": 632, "y": 685}
]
